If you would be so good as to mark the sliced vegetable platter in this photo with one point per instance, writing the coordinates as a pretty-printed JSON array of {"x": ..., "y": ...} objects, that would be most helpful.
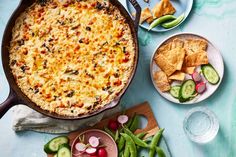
[
  {"x": 206, "y": 87},
  {"x": 93, "y": 139},
  {"x": 183, "y": 8}
]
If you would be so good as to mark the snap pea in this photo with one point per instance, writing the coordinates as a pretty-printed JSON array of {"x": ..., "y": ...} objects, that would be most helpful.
[
  {"x": 141, "y": 135},
  {"x": 130, "y": 144},
  {"x": 129, "y": 122},
  {"x": 154, "y": 142},
  {"x": 174, "y": 22},
  {"x": 134, "y": 124},
  {"x": 121, "y": 143},
  {"x": 149, "y": 139},
  {"x": 117, "y": 135},
  {"x": 121, "y": 153},
  {"x": 136, "y": 140},
  {"x": 160, "y": 20},
  {"x": 109, "y": 132},
  {"x": 127, "y": 150},
  {"x": 160, "y": 152}
]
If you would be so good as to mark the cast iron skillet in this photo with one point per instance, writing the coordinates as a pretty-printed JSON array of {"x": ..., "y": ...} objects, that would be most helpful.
[{"x": 16, "y": 96}]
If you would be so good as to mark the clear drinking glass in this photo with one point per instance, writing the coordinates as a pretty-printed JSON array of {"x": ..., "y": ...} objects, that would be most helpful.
[{"x": 201, "y": 125}]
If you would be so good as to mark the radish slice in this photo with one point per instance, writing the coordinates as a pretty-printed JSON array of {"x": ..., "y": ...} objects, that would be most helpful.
[
  {"x": 122, "y": 119},
  {"x": 94, "y": 141},
  {"x": 91, "y": 151},
  {"x": 196, "y": 77},
  {"x": 80, "y": 147},
  {"x": 201, "y": 87}
]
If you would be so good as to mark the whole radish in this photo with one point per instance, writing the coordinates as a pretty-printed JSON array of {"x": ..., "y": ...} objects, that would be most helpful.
[
  {"x": 102, "y": 152},
  {"x": 113, "y": 125}
]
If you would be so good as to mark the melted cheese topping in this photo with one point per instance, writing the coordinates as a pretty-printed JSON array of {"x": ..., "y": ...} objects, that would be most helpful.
[{"x": 71, "y": 57}]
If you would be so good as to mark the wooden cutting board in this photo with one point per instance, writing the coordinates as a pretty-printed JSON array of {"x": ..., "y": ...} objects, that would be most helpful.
[{"x": 142, "y": 109}]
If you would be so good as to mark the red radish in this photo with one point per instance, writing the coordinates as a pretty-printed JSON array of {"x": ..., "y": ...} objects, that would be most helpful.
[
  {"x": 113, "y": 125},
  {"x": 94, "y": 141},
  {"x": 201, "y": 87},
  {"x": 91, "y": 151},
  {"x": 80, "y": 147},
  {"x": 94, "y": 156},
  {"x": 122, "y": 119},
  {"x": 102, "y": 152},
  {"x": 196, "y": 77}
]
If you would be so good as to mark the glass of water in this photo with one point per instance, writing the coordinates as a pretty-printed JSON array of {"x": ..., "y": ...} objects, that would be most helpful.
[{"x": 201, "y": 125}]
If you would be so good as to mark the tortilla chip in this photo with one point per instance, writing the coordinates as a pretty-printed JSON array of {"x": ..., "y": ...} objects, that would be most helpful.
[
  {"x": 195, "y": 45},
  {"x": 196, "y": 59},
  {"x": 188, "y": 70},
  {"x": 161, "y": 81},
  {"x": 163, "y": 8},
  {"x": 150, "y": 19},
  {"x": 164, "y": 64},
  {"x": 178, "y": 75},
  {"x": 145, "y": 14},
  {"x": 176, "y": 57}
]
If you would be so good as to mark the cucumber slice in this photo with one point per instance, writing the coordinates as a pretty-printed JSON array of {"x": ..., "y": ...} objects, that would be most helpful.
[
  {"x": 187, "y": 90},
  {"x": 174, "y": 91},
  {"x": 64, "y": 151},
  {"x": 210, "y": 74},
  {"x": 53, "y": 145}
]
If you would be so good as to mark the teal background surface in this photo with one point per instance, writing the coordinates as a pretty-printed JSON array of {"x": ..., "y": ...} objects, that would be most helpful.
[{"x": 214, "y": 19}]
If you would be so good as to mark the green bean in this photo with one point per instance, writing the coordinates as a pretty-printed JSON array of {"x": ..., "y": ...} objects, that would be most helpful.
[
  {"x": 109, "y": 132},
  {"x": 131, "y": 145},
  {"x": 141, "y": 135},
  {"x": 160, "y": 20},
  {"x": 174, "y": 22},
  {"x": 160, "y": 152},
  {"x": 136, "y": 140},
  {"x": 121, "y": 143},
  {"x": 154, "y": 142},
  {"x": 134, "y": 124}
]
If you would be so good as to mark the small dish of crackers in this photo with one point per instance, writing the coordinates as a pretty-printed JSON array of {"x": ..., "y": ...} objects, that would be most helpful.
[
  {"x": 186, "y": 68},
  {"x": 155, "y": 9}
]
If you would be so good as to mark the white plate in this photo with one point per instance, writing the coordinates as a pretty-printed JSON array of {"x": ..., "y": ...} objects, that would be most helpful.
[{"x": 214, "y": 57}]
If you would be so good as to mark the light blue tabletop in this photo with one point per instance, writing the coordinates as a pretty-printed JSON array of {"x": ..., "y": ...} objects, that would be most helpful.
[{"x": 214, "y": 19}]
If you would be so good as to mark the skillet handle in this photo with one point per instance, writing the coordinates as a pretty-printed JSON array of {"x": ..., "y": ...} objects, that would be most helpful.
[
  {"x": 138, "y": 13},
  {"x": 8, "y": 103}
]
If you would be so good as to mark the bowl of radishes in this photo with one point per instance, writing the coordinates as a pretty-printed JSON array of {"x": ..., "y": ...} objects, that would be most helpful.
[{"x": 94, "y": 143}]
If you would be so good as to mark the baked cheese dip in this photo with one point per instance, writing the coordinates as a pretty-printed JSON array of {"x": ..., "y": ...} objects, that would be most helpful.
[{"x": 72, "y": 57}]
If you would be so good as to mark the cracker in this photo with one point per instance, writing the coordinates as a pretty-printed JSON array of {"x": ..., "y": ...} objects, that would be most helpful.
[
  {"x": 163, "y": 8},
  {"x": 164, "y": 48},
  {"x": 188, "y": 70},
  {"x": 161, "y": 81},
  {"x": 145, "y": 14},
  {"x": 195, "y": 45},
  {"x": 164, "y": 64},
  {"x": 196, "y": 59},
  {"x": 178, "y": 75},
  {"x": 176, "y": 57},
  {"x": 177, "y": 43},
  {"x": 150, "y": 19}
]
